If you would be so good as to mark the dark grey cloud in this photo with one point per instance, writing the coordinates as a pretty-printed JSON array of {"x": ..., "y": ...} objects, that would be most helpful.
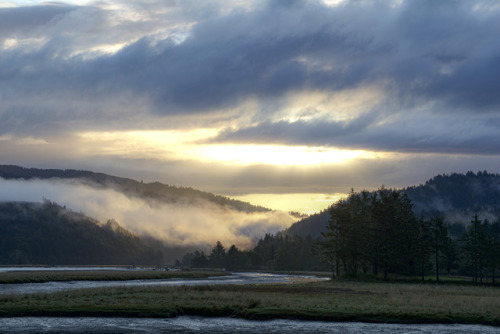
[
  {"x": 369, "y": 132},
  {"x": 444, "y": 54},
  {"x": 25, "y": 20}
]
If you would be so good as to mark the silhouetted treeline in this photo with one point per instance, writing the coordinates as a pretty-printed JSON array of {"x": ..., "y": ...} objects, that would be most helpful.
[
  {"x": 373, "y": 233},
  {"x": 48, "y": 234},
  {"x": 154, "y": 190},
  {"x": 271, "y": 253},
  {"x": 378, "y": 233}
]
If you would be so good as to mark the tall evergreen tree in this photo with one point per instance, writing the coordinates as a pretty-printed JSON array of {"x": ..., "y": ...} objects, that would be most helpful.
[
  {"x": 450, "y": 255},
  {"x": 424, "y": 244},
  {"x": 218, "y": 256},
  {"x": 439, "y": 233},
  {"x": 236, "y": 259},
  {"x": 492, "y": 248},
  {"x": 395, "y": 224},
  {"x": 473, "y": 247}
]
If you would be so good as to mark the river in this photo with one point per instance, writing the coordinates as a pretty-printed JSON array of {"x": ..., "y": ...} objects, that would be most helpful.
[
  {"x": 187, "y": 324},
  {"x": 235, "y": 278}
]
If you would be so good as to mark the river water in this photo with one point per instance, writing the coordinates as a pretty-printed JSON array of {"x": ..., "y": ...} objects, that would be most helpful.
[
  {"x": 235, "y": 278},
  {"x": 187, "y": 324},
  {"x": 221, "y": 325}
]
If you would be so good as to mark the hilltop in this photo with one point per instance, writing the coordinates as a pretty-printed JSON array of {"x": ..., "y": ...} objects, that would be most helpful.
[
  {"x": 456, "y": 196},
  {"x": 132, "y": 188}
]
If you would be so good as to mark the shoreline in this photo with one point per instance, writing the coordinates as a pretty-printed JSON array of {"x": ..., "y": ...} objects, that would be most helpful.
[{"x": 45, "y": 276}]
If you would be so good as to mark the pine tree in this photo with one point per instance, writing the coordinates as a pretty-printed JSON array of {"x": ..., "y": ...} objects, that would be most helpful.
[
  {"x": 473, "y": 247},
  {"x": 439, "y": 233},
  {"x": 394, "y": 224},
  {"x": 218, "y": 256},
  {"x": 492, "y": 248},
  {"x": 424, "y": 244}
]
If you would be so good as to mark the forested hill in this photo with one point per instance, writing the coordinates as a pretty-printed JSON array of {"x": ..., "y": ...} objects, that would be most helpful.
[
  {"x": 456, "y": 196},
  {"x": 155, "y": 190},
  {"x": 48, "y": 234},
  {"x": 459, "y": 193}
]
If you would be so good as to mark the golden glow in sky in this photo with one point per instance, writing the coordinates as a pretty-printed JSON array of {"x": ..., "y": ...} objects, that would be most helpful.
[
  {"x": 191, "y": 145},
  {"x": 275, "y": 154},
  {"x": 306, "y": 203}
]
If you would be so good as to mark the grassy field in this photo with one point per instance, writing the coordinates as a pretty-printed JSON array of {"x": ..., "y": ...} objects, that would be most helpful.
[
  {"x": 42, "y": 276},
  {"x": 326, "y": 300}
]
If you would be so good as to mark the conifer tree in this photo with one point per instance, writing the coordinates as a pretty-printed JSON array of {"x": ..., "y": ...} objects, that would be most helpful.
[
  {"x": 439, "y": 233},
  {"x": 217, "y": 256},
  {"x": 424, "y": 244},
  {"x": 473, "y": 247}
]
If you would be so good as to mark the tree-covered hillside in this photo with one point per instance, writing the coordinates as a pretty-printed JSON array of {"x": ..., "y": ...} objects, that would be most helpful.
[
  {"x": 48, "y": 234},
  {"x": 465, "y": 193},
  {"x": 312, "y": 226},
  {"x": 456, "y": 197},
  {"x": 154, "y": 190}
]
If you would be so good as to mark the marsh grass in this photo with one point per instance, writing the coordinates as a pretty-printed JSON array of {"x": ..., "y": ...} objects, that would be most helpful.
[
  {"x": 327, "y": 300},
  {"x": 17, "y": 277}
]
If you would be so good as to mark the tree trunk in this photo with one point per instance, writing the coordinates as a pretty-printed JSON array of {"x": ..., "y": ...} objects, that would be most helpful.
[
  {"x": 437, "y": 262},
  {"x": 385, "y": 263},
  {"x": 422, "y": 268},
  {"x": 437, "y": 267}
]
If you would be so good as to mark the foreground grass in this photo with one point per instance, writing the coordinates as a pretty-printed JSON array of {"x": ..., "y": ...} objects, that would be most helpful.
[
  {"x": 16, "y": 277},
  {"x": 327, "y": 300}
]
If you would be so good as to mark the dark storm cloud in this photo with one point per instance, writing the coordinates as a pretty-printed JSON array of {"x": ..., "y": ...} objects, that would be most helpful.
[
  {"x": 442, "y": 53},
  {"x": 450, "y": 52}
]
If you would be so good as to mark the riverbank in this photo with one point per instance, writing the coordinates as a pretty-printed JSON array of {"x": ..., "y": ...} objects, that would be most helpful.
[
  {"x": 43, "y": 276},
  {"x": 326, "y": 300}
]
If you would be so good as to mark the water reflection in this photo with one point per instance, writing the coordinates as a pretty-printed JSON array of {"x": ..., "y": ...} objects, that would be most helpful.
[{"x": 219, "y": 325}]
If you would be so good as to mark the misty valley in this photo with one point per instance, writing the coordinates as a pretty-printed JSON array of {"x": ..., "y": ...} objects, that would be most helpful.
[
  {"x": 446, "y": 230},
  {"x": 449, "y": 225}
]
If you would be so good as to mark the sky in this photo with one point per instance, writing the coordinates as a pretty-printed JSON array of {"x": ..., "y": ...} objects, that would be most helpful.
[{"x": 286, "y": 104}]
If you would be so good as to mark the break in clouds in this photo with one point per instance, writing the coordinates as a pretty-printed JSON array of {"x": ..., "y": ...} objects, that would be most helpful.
[{"x": 174, "y": 224}]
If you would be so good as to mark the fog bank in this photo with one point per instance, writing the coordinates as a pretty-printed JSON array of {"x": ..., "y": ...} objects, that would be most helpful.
[{"x": 178, "y": 224}]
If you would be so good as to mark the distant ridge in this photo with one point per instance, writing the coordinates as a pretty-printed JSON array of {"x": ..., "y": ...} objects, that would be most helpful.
[
  {"x": 456, "y": 196},
  {"x": 154, "y": 190}
]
